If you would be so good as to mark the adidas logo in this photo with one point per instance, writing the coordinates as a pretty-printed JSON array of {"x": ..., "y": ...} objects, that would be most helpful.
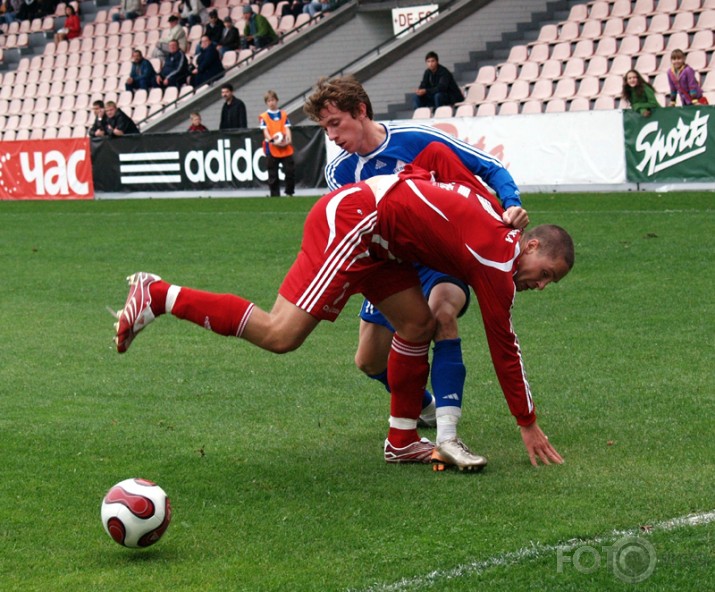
[
  {"x": 379, "y": 164},
  {"x": 452, "y": 397}
]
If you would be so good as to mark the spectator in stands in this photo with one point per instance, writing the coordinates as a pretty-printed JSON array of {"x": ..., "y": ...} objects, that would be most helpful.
[
  {"x": 233, "y": 112},
  {"x": 29, "y": 10},
  {"x": 190, "y": 11},
  {"x": 72, "y": 27},
  {"x": 196, "y": 125},
  {"x": 230, "y": 37},
  {"x": 214, "y": 28},
  {"x": 277, "y": 145},
  {"x": 208, "y": 64},
  {"x": 638, "y": 93},
  {"x": 175, "y": 33},
  {"x": 294, "y": 7},
  {"x": 128, "y": 9},
  {"x": 175, "y": 70},
  {"x": 316, "y": 7},
  {"x": 118, "y": 122},
  {"x": 100, "y": 120},
  {"x": 142, "y": 75},
  {"x": 438, "y": 86},
  {"x": 683, "y": 82},
  {"x": 9, "y": 10},
  {"x": 258, "y": 31}
]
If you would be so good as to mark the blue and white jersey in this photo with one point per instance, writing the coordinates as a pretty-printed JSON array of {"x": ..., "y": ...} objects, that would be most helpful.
[{"x": 402, "y": 145}]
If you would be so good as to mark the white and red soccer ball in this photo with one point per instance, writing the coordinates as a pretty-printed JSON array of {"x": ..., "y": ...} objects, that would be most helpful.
[{"x": 136, "y": 513}]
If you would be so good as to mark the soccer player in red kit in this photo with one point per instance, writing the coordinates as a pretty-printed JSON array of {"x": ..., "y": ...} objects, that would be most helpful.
[{"x": 363, "y": 238}]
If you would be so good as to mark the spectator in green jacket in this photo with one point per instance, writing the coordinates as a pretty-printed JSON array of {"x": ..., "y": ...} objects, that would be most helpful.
[
  {"x": 639, "y": 94},
  {"x": 258, "y": 31}
]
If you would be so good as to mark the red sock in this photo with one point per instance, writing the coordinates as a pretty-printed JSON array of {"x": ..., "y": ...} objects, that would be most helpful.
[
  {"x": 224, "y": 314},
  {"x": 407, "y": 371}
]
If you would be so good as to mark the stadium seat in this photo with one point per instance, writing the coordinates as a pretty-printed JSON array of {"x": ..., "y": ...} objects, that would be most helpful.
[
  {"x": 561, "y": 51},
  {"x": 518, "y": 54},
  {"x": 704, "y": 40},
  {"x": 660, "y": 83},
  {"x": 574, "y": 68},
  {"x": 529, "y": 71},
  {"x": 497, "y": 92},
  {"x": 614, "y": 28},
  {"x": 507, "y": 73},
  {"x": 660, "y": 23},
  {"x": 551, "y": 70},
  {"x": 607, "y": 47},
  {"x": 604, "y": 103},
  {"x": 486, "y": 110},
  {"x": 637, "y": 25},
  {"x": 519, "y": 91},
  {"x": 475, "y": 94},
  {"x": 679, "y": 40},
  {"x": 555, "y": 106},
  {"x": 644, "y": 7},
  {"x": 709, "y": 81},
  {"x": 666, "y": 6},
  {"x": 589, "y": 87},
  {"x": 706, "y": 20},
  {"x": 654, "y": 43},
  {"x": 591, "y": 29},
  {"x": 542, "y": 91},
  {"x": 599, "y": 10},
  {"x": 548, "y": 34},
  {"x": 539, "y": 53},
  {"x": 578, "y": 13},
  {"x": 697, "y": 60},
  {"x": 509, "y": 108},
  {"x": 569, "y": 31},
  {"x": 620, "y": 65},
  {"x": 645, "y": 64},
  {"x": 532, "y": 106},
  {"x": 630, "y": 45},
  {"x": 584, "y": 48},
  {"x": 565, "y": 89},
  {"x": 443, "y": 112},
  {"x": 612, "y": 86},
  {"x": 580, "y": 104},
  {"x": 486, "y": 75},
  {"x": 465, "y": 110},
  {"x": 422, "y": 113},
  {"x": 683, "y": 21},
  {"x": 621, "y": 8}
]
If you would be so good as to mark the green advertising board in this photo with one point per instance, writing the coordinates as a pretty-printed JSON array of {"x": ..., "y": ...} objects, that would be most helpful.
[{"x": 674, "y": 144}]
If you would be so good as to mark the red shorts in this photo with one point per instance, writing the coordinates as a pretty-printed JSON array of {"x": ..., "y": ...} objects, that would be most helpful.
[{"x": 334, "y": 260}]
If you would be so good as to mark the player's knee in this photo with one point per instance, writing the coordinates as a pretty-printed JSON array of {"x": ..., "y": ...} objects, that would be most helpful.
[
  {"x": 283, "y": 343},
  {"x": 446, "y": 324},
  {"x": 418, "y": 331},
  {"x": 367, "y": 365}
]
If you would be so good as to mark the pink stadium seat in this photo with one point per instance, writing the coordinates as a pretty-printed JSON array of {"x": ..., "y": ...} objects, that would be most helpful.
[
  {"x": 654, "y": 43},
  {"x": 612, "y": 85},
  {"x": 422, "y": 113},
  {"x": 565, "y": 88},
  {"x": 50, "y": 133},
  {"x": 171, "y": 93},
  {"x": 22, "y": 134},
  {"x": 660, "y": 83},
  {"x": 37, "y": 133},
  {"x": 532, "y": 106},
  {"x": 28, "y": 106},
  {"x": 620, "y": 65},
  {"x": 613, "y": 28},
  {"x": 599, "y": 10},
  {"x": 578, "y": 13},
  {"x": 64, "y": 132},
  {"x": 709, "y": 81},
  {"x": 660, "y": 23},
  {"x": 475, "y": 93},
  {"x": 690, "y": 5},
  {"x": 555, "y": 106},
  {"x": 580, "y": 104},
  {"x": 539, "y": 53},
  {"x": 551, "y": 70},
  {"x": 630, "y": 45},
  {"x": 697, "y": 60},
  {"x": 518, "y": 54},
  {"x": 543, "y": 90},
  {"x": 584, "y": 48},
  {"x": 548, "y": 34},
  {"x": 529, "y": 71},
  {"x": 486, "y": 75},
  {"x": 509, "y": 108},
  {"x": 486, "y": 110},
  {"x": 591, "y": 29},
  {"x": 519, "y": 91},
  {"x": 703, "y": 40},
  {"x": 683, "y": 21},
  {"x": 230, "y": 58},
  {"x": 507, "y": 72},
  {"x": 603, "y": 103},
  {"x": 679, "y": 40},
  {"x": 140, "y": 113},
  {"x": 466, "y": 110},
  {"x": 589, "y": 87},
  {"x": 286, "y": 24},
  {"x": 561, "y": 51},
  {"x": 621, "y": 8},
  {"x": 268, "y": 9},
  {"x": 497, "y": 92},
  {"x": 644, "y": 7},
  {"x": 637, "y": 25},
  {"x": 443, "y": 112},
  {"x": 666, "y": 6},
  {"x": 607, "y": 47},
  {"x": 646, "y": 64},
  {"x": 574, "y": 68},
  {"x": 706, "y": 20},
  {"x": 569, "y": 31}
]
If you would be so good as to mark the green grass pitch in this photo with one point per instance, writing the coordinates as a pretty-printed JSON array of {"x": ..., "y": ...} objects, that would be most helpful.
[{"x": 274, "y": 463}]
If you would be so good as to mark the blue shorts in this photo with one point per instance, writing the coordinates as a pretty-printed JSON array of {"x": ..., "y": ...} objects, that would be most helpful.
[{"x": 429, "y": 278}]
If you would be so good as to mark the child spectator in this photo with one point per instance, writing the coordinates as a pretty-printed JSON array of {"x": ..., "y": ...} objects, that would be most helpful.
[
  {"x": 683, "y": 82},
  {"x": 72, "y": 27},
  {"x": 639, "y": 94},
  {"x": 196, "y": 125},
  {"x": 277, "y": 145}
]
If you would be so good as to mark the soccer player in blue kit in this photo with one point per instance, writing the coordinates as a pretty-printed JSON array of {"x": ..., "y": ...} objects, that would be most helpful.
[{"x": 343, "y": 109}]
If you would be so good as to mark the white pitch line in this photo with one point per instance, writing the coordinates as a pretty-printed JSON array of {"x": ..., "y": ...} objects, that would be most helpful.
[{"x": 536, "y": 551}]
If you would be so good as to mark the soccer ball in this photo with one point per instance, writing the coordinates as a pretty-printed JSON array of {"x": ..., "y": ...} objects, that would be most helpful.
[
  {"x": 136, "y": 513},
  {"x": 278, "y": 137}
]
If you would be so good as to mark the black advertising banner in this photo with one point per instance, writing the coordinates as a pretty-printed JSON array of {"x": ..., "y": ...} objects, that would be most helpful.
[
  {"x": 673, "y": 144},
  {"x": 196, "y": 161}
]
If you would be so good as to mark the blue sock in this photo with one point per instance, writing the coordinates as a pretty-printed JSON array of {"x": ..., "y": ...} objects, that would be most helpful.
[
  {"x": 382, "y": 377},
  {"x": 448, "y": 373}
]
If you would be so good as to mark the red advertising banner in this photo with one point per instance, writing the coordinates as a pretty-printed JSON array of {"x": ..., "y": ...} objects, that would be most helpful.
[{"x": 46, "y": 169}]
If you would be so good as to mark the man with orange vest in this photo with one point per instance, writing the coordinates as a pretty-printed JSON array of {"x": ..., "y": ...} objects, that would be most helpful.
[{"x": 277, "y": 145}]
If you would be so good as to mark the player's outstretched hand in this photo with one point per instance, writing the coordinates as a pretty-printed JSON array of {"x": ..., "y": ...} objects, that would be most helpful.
[
  {"x": 516, "y": 216},
  {"x": 538, "y": 446}
]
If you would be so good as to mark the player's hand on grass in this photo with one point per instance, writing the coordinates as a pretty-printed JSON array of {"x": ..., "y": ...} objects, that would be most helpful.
[
  {"x": 538, "y": 446},
  {"x": 516, "y": 217}
]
